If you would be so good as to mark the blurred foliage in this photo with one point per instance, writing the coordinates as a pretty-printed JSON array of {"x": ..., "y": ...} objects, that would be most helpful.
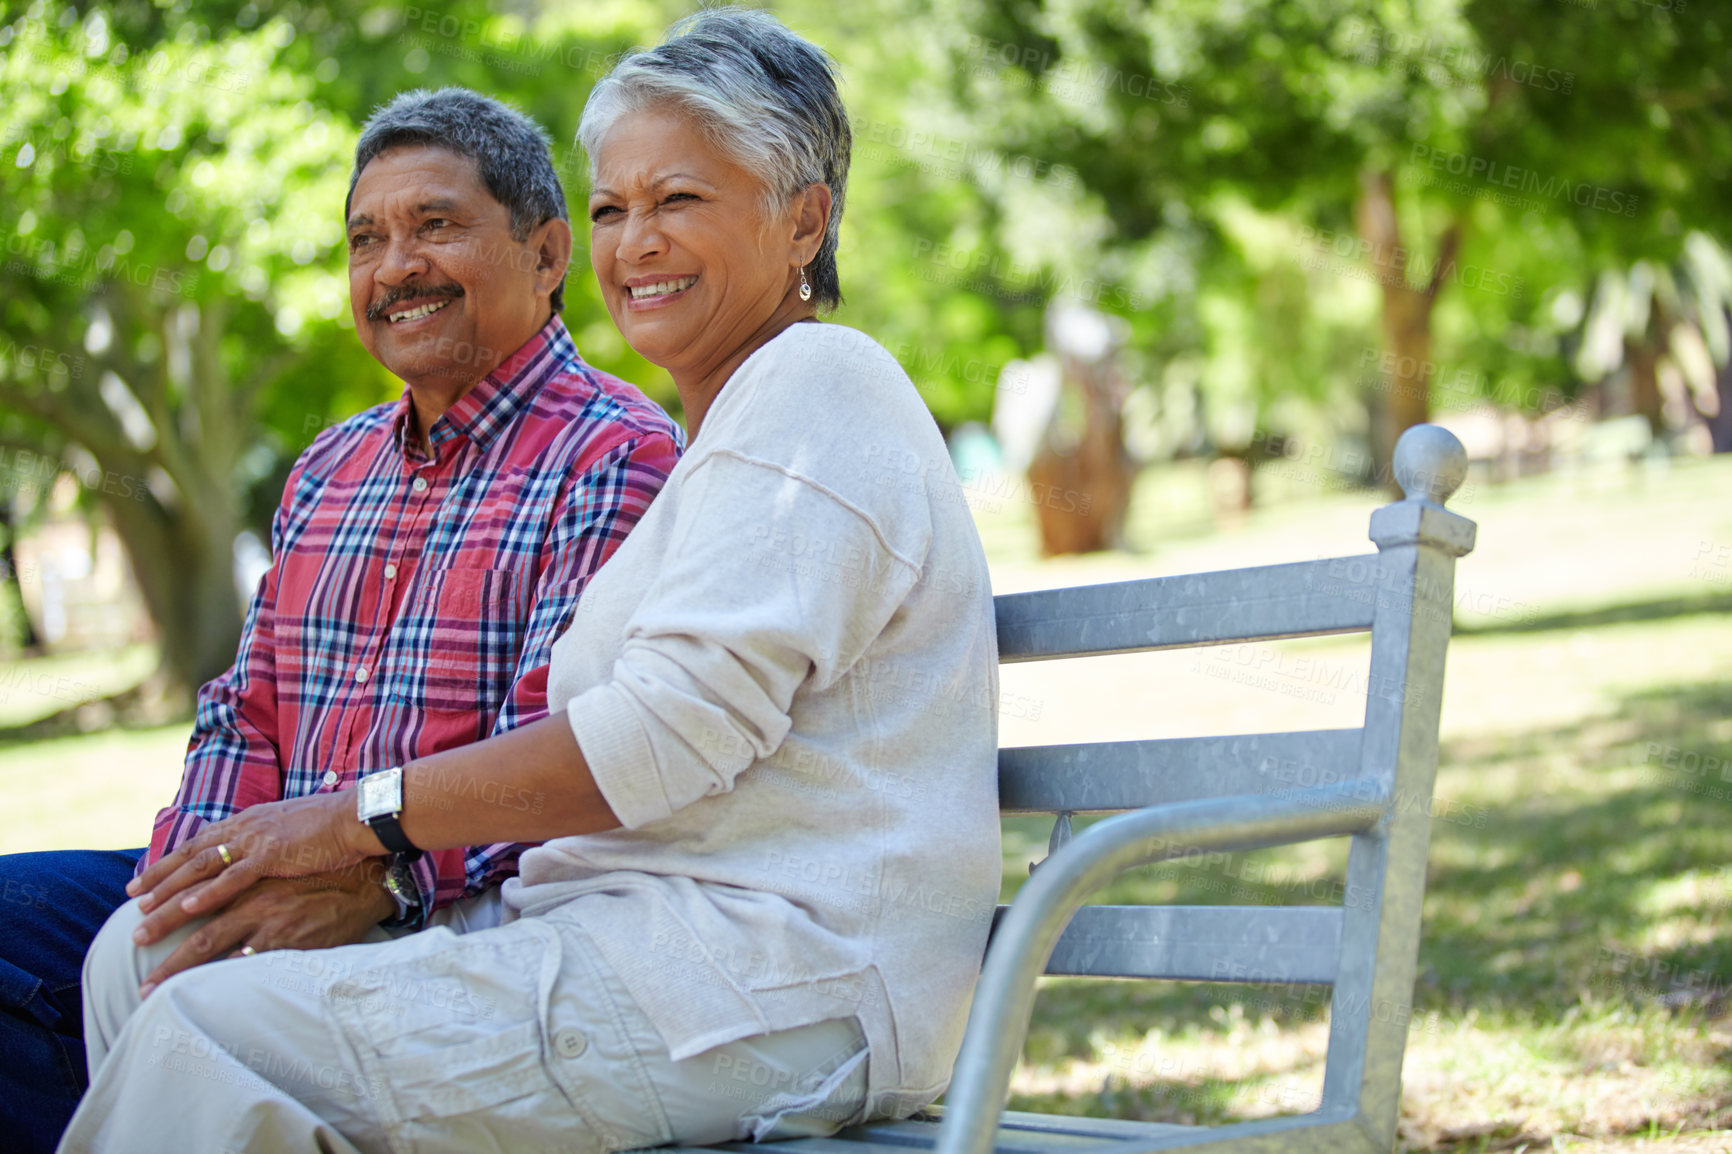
[
  {"x": 168, "y": 281},
  {"x": 1220, "y": 150},
  {"x": 173, "y": 172}
]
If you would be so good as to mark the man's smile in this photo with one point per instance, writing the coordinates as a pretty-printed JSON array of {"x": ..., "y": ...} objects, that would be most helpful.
[
  {"x": 416, "y": 313},
  {"x": 406, "y": 304}
]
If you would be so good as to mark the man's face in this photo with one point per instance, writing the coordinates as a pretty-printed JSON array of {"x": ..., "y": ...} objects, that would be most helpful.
[{"x": 441, "y": 293}]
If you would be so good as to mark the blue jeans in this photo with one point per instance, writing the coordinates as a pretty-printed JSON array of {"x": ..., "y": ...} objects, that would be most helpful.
[{"x": 51, "y": 905}]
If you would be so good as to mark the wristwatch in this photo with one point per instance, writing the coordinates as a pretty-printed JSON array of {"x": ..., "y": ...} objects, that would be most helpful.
[
  {"x": 379, "y": 802},
  {"x": 400, "y": 884}
]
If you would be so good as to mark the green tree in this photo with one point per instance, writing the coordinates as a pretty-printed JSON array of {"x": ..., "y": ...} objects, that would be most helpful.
[
  {"x": 174, "y": 318},
  {"x": 1388, "y": 133},
  {"x": 168, "y": 262},
  {"x": 923, "y": 268}
]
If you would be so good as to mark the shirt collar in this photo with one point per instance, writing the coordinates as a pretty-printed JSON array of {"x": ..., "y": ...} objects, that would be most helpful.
[{"x": 490, "y": 407}]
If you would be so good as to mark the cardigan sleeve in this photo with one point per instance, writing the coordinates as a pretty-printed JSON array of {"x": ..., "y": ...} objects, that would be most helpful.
[{"x": 771, "y": 579}]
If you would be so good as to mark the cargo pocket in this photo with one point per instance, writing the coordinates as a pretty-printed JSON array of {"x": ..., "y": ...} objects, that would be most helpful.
[
  {"x": 837, "y": 1099},
  {"x": 455, "y": 1029}
]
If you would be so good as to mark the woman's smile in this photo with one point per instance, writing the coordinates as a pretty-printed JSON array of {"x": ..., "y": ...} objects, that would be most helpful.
[{"x": 651, "y": 292}]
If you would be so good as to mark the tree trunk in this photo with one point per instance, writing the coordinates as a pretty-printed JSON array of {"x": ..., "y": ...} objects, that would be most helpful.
[
  {"x": 171, "y": 497},
  {"x": 1718, "y": 415},
  {"x": 184, "y": 565},
  {"x": 1643, "y": 357},
  {"x": 1720, "y": 423},
  {"x": 1082, "y": 492},
  {"x": 1231, "y": 488},
  {"x": 27, "y": 639},
  {"x": 195, "y": 604},
  {"x": 1406, "y": 320}
]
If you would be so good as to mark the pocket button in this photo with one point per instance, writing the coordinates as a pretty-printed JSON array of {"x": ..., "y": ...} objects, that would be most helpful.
[{"x": 570, "y": 1043}]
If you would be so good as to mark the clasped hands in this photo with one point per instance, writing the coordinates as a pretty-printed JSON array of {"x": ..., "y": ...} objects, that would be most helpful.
[{"x": 303, "y": 873}]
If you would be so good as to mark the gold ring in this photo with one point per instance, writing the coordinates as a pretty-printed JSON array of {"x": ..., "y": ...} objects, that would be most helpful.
[
  {"x": 247, "y": 951},
  {"x": 223, "y": 852}
]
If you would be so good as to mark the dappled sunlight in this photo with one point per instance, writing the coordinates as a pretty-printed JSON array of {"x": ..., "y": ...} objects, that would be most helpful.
[
  {"x": 1573, "y": 979},
  {"x": 1697, "y": 893},
  {"x": 1246, "y": 1067},
  {"x": 1573, "y": 967},
  {"x": 1588, "y": 1075}
]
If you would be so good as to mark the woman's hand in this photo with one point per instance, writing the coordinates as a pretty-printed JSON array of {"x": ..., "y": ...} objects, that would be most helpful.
[{"x": 284, "y": 839}]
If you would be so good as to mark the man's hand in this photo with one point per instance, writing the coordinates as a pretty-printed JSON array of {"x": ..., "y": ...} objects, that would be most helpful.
[{"x": 304, "y": 913}]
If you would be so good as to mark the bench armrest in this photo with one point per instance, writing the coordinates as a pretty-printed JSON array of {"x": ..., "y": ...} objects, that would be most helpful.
[{"x": 999, "y": 1017}]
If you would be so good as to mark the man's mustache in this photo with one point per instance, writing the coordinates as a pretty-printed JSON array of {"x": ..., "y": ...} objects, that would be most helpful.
[{"x": 376, "y": 310}]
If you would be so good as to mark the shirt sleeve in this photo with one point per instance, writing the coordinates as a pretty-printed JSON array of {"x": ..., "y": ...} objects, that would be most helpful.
[
  {"x": 232, "y": 759},
  {"x": 770, "y": 579},
  {"x": 598, "y": 509}
]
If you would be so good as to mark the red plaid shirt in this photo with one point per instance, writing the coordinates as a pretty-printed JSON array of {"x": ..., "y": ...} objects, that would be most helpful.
[{"x": 413, "y": 600}]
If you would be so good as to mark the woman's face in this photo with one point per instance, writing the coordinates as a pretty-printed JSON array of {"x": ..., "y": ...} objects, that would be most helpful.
[{"x": 690, "y": 266}]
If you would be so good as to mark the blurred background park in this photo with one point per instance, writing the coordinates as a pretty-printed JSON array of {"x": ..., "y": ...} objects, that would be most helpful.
[{"x": 1171, "y": 276}]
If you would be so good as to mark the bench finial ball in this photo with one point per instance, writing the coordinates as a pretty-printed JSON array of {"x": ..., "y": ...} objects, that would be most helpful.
[{"x": 1430, "y": 463}]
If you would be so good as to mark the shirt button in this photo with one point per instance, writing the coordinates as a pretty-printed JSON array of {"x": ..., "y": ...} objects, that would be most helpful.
[
  {"x": 570, "y": 1043},
  {"x": 330, "y": 777},
  {"x": 361, "y": 673},
  {"x": 419, "y": 484},
  {"x": 390, "y": 572}
]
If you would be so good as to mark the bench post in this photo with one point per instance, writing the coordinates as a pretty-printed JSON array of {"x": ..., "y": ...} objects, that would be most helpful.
[{"x": 1413, "y": 585}]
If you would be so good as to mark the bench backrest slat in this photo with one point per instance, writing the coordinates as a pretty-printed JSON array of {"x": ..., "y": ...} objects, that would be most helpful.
[
  {"x": 1263, "y": 944},
  {"x": 1267, "y": 603},
  {"x": 1109, "y": 777}
]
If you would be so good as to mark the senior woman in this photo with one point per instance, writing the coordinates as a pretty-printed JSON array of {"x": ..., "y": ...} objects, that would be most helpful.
[{"x": 767, "y": 786}]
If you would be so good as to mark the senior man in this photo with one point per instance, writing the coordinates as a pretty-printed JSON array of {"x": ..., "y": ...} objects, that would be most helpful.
[{"x": 427, "y": 554}]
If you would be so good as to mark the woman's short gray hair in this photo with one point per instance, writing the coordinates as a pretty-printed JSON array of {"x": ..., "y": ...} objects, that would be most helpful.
[{"x": 764, "y": 96}]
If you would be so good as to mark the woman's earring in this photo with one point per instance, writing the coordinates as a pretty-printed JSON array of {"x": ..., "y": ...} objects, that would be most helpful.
[{"x": 805, "y": 288}]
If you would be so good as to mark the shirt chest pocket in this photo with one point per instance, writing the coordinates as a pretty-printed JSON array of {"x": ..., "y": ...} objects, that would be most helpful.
[{"x": 458, "y": 638}]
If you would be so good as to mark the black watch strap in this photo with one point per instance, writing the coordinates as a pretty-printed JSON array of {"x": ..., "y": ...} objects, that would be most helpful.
[{"x": 393, "y": 838}]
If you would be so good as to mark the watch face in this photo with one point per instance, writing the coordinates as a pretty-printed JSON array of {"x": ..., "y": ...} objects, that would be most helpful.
[
  {"x": 379, "y": 795},
  {"x": 402, "y": 888}
]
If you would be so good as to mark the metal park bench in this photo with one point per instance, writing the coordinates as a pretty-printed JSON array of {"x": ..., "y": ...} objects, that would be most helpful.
[{"x": 1177, "y": 797}]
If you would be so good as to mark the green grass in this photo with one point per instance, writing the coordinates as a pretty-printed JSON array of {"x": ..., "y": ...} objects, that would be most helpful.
[
  {"x": 31, "y": 690},
  {"x": 1577, "y": 953},
  {"x": 1577, "y": 947},
  {"x": 1576, "y": 957},
  {"x": 98, "y": 789}
]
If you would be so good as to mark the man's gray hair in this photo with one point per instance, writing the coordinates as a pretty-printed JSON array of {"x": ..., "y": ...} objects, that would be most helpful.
[
  {"x": 761, "y": 94},
  {"x": 509, "y": 150}
]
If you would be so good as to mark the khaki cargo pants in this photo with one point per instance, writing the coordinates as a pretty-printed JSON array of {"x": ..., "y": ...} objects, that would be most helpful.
[{"x": 468, "y": 1036}]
